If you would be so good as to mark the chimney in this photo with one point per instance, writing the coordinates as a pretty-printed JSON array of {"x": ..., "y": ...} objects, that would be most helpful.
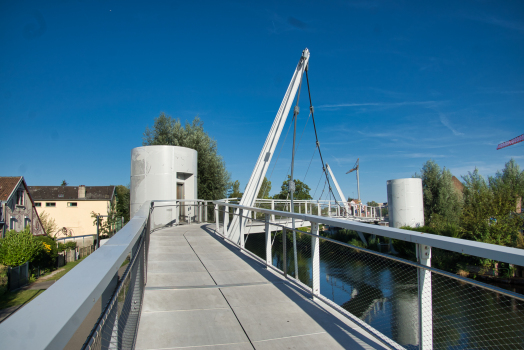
[{"x": 81, "y": 192}]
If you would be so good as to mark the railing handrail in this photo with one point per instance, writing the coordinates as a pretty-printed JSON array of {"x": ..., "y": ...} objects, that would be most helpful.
[
  {"x": 51, "y": 320},
  {"x": 484, "y": 250}
]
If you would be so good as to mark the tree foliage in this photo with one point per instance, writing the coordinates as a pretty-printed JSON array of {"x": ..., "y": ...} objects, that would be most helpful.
[
  {"x": 48, "y": 224},
  {"x": 442, "y": 201},
  {"x": 122, "y": 202},
  {"x": 16, "y": 248},
  {"x": 107, "y": 225},
  {"x": 372, "y": 204},
  {"x": 234, "y": 190},
  {"x": 301, "y": 190},
  {"x": 213, "y": 178},
  {"x": 489, "y": 213},
  {"x": 264, "y": 189}
]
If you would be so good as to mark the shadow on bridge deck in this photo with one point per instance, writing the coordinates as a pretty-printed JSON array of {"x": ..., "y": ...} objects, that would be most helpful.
[{"x": 203, "y": 293}]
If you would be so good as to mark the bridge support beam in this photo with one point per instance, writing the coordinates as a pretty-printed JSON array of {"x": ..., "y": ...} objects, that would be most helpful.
[
  {"x": 315, "y": 261},
  {"x": 425, "y": 298}
]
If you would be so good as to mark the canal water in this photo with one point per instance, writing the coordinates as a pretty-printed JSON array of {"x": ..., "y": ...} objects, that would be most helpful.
[{"x": 384, "y": 294}]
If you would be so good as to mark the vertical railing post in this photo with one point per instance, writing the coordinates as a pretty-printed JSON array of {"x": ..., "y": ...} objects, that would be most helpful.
[
  {"x": 319, "y": 209},
  {"x": 269, "y": 256},
  {"x": 272, "y": 208},
  {"x": 97, "y": 232},
  {"x": 425, "y": 298},
  {"x": 226, "y": 220},
  {"x": 284, "y": 251},
  {"x": 217, "y": 218},
  {"x": 315, "y": 259},
  {"x": 205, "y": 212},
  {"x": 241, "y": 226},
  {"x": 329, "y": 209}
]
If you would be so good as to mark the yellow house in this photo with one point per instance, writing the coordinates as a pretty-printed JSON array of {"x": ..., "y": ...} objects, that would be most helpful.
[{"x": 71, "y": 206}]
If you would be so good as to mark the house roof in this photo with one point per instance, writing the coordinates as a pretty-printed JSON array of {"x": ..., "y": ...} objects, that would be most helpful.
[
  {"x": 7, "y": 185},
  {"x": 71, "y": 192}
]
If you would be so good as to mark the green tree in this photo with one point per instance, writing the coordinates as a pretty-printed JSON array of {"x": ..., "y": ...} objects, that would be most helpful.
[
  {"x": 372, "y": 204},
  {"x": 16, "y": 248},
  {"x": 122, "y": 202},
  {"x": 234, "y": 190},
  {"x": 264, "y": 189},
  {"x": 442, "y": 201},
  {"x": 489, "y": 206},
  {"x": 213, "y": 178},
  {"x": 301, "y": 190},
  {"x": 48, "y": 224}
]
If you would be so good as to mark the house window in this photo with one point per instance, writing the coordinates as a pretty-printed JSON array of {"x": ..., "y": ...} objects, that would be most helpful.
[
  {"x": 20, "y": 197},
  {"x": 50, "y": 204},
  {"x": 71, "y": 204},
  {"x": 12, "y": 223},
  {"x": 26, "y": 222},
  {"x": 38, "y": 204}
]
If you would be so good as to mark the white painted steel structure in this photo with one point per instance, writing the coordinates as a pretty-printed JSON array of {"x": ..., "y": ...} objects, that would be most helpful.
[
  {"x": 157, "y": 171},
  {"x": 342, "y": 197},
  {"x": 405, "y": 202},
  {"x": 257, "y": 176}
]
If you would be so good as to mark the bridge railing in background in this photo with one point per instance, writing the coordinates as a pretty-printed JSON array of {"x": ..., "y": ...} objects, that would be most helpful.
[
  {"x": 327, "y": 208},
  {"x": 407, "y": 304}
]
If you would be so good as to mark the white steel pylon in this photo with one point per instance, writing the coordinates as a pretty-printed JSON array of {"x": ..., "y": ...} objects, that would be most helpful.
[
  {"x": 342, "y": 197},
  {"x": 255, "y": 182}
]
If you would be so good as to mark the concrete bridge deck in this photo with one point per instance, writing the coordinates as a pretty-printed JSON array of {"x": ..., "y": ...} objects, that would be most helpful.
[{"x": 203, "y": 293}]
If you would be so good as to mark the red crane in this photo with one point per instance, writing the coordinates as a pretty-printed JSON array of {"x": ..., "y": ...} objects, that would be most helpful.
[{"x": 511, "y": 142}]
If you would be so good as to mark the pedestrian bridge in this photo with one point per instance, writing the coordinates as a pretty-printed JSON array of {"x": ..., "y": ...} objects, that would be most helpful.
[
  {"x": 202, "y": 285},
  {"x": 201, "y": 291}
]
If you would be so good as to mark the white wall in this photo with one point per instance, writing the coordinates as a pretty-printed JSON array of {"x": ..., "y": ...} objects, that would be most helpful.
[
  {"x": 405, "y": 202},
  {"x": 154, "y": 172}
]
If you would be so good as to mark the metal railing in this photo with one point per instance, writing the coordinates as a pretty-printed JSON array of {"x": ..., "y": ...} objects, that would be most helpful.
[
  {"x": 327, "y": 208},
  {"x": 404, "y": 303}
]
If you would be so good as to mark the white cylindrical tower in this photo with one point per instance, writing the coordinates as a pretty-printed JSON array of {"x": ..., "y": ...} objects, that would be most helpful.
[
  {"x": 162, "y": 173},
  {"x": 405, "y": 202}
]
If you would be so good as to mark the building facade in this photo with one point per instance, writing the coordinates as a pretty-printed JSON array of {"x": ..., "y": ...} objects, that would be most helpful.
[
  {"x": 17, "y": 208},
  {"x": 72, "y": 206}
]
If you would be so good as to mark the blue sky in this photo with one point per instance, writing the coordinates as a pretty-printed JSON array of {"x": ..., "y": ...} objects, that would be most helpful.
[{"x": 392, "y": 84}]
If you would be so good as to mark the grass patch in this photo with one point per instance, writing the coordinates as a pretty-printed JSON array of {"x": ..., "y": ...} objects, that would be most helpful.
[
  {"x": 63, "y": 270},
  {"x": 18, "y": 298}
]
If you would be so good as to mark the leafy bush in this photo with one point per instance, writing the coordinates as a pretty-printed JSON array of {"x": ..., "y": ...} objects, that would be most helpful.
[
  {"x": 19, "y": 247},
  {"x": 47, "y": 257},
  {"x": 66, "y": 246}
]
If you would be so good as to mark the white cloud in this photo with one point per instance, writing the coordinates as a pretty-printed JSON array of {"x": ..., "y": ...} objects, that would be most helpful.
[
  {"x": 381, "y": 104},
  {"x": 444, "y": 120}
]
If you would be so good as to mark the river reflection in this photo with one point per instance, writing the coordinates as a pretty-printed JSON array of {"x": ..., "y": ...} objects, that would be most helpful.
[{"x": 384, "y": 294}]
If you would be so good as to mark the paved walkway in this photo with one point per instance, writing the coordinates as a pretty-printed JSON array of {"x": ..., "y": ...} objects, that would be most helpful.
[{"x": 202, "y": 293}]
